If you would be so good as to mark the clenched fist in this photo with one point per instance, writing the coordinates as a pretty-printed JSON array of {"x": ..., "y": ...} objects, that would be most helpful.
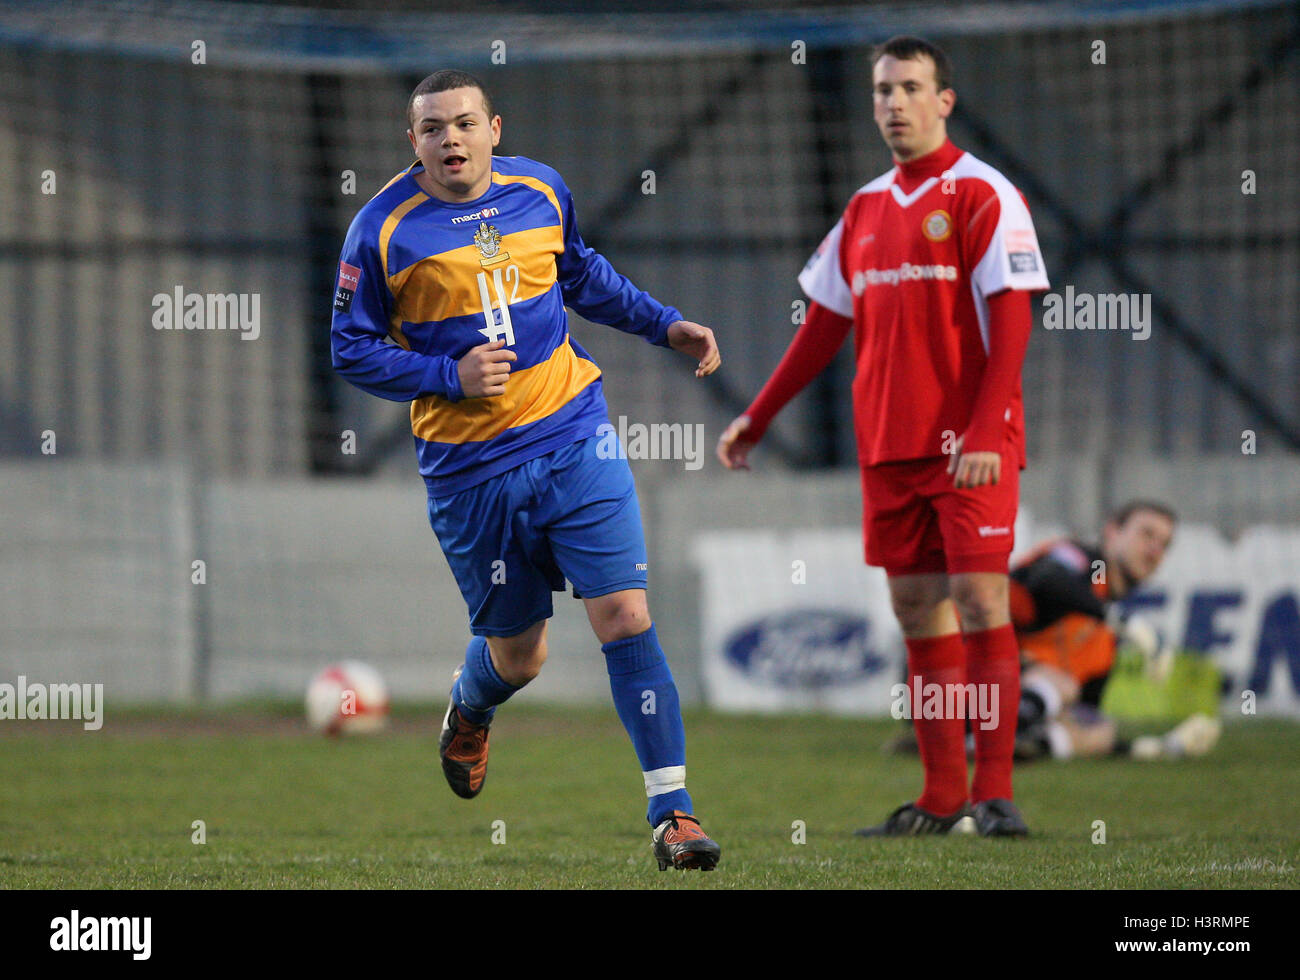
[{"x": 484, "y": 369}]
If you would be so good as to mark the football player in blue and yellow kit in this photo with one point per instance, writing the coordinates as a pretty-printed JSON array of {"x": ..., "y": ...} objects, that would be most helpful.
[{"x": 452, "y": 290}]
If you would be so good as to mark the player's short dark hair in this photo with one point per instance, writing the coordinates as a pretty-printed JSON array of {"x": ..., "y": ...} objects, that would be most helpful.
[
  {"x": 1121, "y": 514},
  {"x": 444, "y": 81},
  {"x": 906, "y": 47}
]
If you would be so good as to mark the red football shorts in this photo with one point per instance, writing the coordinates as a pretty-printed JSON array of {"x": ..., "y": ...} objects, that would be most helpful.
[{"x": 914, "y": 521}]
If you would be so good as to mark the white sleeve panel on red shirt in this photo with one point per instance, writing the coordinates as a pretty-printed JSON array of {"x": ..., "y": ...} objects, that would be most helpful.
[
  {"x": 1012, "y": 259},
  {"x": 822, "y": 278}
]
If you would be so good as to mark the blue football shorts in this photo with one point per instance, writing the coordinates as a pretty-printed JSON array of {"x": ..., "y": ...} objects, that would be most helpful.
[{"x": 513, "y": 540}]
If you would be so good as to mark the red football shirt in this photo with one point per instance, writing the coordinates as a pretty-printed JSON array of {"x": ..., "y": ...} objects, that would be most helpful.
[{"x": 912, "y": 262}]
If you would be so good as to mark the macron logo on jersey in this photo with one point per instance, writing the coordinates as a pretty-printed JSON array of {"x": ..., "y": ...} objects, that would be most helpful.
[
  {"x": 904, "y": 273},
  {"x": 476, "y": 216}
]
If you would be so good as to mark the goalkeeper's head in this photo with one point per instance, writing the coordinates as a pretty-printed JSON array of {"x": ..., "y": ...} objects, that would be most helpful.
[{"x": 1134, "y": 541}]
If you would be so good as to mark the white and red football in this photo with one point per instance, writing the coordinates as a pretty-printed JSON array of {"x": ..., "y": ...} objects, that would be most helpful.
[{"x": 347, "y": 699}]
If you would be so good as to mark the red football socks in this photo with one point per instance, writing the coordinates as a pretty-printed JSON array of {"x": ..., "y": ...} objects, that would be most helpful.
[
  {"x": 993, "y": 665},
  {"x": 938, "y": 660}
]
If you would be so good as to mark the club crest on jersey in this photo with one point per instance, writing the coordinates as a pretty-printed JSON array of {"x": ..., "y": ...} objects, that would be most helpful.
[
  {"x": 488, "y": 242},
  {"x": 937, "y": 225}
]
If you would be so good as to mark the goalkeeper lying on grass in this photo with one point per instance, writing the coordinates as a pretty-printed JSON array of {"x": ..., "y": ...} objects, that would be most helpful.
[
  {"x": 1064, "y": 604},
  {"x": 1069, "y": 624}
]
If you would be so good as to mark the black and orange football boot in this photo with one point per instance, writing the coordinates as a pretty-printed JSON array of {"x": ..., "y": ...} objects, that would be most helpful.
[
  {"x": 678, "y": 841},
  {"x": 463, "y": 747}
]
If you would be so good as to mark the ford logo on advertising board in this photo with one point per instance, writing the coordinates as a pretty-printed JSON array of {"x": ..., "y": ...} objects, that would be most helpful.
[{"x": 805, "y": 648}]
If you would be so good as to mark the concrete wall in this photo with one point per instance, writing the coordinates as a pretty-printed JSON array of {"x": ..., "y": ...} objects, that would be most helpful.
[{"x": 98, "y": 568}]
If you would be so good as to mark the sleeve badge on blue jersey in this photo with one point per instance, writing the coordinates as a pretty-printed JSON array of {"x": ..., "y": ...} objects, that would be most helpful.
[{"x": 349, "y": 278}]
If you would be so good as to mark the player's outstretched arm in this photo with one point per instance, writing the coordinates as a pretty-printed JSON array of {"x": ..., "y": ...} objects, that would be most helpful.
[
  {"x": 593, "y": 288},
  {"x": 697, "y": 341},
  {"x": 814, "y": 346}
]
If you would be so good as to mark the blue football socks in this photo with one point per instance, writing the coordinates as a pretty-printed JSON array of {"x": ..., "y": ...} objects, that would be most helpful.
[
  {"x": 647, "y": 704},
  {"x": 479, "y": 689}
]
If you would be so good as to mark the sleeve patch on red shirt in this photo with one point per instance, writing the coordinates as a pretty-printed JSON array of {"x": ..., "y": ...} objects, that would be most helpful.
[{"x": 1022, "y": 250}]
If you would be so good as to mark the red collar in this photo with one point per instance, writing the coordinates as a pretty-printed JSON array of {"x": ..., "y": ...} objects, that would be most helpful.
[{"x": 933, "y": 164}]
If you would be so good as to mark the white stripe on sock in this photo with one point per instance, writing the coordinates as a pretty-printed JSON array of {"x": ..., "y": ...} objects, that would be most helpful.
[{"x": 665, "y": 780}]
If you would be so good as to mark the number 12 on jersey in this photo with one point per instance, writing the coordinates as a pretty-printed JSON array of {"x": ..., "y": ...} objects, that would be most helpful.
[{"x": 498, "y": 322}]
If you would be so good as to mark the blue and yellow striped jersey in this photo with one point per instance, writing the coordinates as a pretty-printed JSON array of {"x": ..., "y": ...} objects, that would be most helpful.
[{"x": 421, "y": 281}]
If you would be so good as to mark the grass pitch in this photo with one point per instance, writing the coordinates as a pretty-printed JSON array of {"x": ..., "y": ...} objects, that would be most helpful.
[{"x": 282, "y": 808}]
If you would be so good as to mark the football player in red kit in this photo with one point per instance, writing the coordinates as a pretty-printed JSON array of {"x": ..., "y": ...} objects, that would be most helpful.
[{"x": 931, "y": 266}]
